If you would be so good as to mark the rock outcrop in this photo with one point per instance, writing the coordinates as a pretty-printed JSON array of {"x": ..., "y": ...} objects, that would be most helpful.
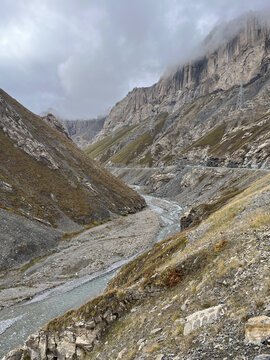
[
  {"x": 257, "y": 329},
  {"x": 52, "y": 121},
  {"x": 82, "y": 333},
  {"x": 83, "y": 131},
  {"x": 201, "y": 318}
]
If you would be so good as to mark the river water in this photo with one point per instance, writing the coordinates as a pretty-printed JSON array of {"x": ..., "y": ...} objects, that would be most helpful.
[{"x": 19, "y": 321}]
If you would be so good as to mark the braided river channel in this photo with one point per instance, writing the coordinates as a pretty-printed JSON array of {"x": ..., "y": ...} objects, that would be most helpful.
[{"x": 17, "y": 322}]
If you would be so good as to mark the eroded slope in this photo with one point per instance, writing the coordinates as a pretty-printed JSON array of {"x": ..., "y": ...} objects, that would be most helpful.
[
  {"x": 44, "y": 175},
  {"x": 189, "y": 297}
]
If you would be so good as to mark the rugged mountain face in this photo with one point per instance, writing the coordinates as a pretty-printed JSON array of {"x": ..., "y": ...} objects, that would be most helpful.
[
  {"x": 238, "y": 60},
  {"x": 46, "y": 178},
  {"x": 83, "y": 131},
  {"x": 210, "y": 111},
  {"x": 202, "y": 293}
]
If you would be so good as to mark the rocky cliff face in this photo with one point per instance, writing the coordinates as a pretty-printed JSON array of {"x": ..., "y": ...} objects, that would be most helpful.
[
  {"x": 212, "y": 111},
  {"x": 238, "y": 59},
  {"x": 83, "y": 131}
]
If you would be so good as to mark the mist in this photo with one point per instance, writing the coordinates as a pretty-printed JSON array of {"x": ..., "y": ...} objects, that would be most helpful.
[{"x": 78, "y": 58}]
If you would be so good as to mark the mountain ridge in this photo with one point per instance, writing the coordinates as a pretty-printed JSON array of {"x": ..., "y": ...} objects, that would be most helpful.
[
  {"x": 207, "y": 74},
  {"x": 46, "y": 179},
  {"x": 212, "y": 111}
]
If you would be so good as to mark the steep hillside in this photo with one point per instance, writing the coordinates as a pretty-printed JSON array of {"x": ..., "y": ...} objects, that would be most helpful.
[
  {"x": 83, "y": 131},
  {"x": 44, "y": 175},
  {"x": 45, "y": 178},
  {"x": 211, "y": 111},
  {"x": 196, "y": 295}
]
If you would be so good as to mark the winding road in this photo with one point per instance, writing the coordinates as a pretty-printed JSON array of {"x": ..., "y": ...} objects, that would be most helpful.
[{"x": 181, "y": 167}]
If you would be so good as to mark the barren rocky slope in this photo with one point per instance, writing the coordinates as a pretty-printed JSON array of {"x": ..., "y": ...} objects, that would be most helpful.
[{"x": 45, "y": 178}]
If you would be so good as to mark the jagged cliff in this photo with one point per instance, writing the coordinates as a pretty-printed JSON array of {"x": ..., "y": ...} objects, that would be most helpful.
[
  {"x": 239, "y": 58},
  {"x": 212, "y": 111}
]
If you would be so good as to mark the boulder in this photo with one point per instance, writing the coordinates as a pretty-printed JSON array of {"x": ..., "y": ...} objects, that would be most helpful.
[
  {"x": 257, "y": 329},
  {"x": 262, "y": 357},
  {"x": 201, "y": 318}
]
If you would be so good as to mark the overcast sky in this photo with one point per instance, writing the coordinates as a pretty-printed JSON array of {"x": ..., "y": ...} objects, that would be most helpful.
[{"x": 79, "y": 57}]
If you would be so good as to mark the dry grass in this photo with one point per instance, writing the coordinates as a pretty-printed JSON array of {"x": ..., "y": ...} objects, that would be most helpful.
[
  {"x": 180, "y": 269},
  {"x": 131, "y": 354},
  {"x": 145, "y": 265},
  {"x": 223, "y": 266},
  {"x": 151, "y": 348},
  {"x": 258, "y": 219}
]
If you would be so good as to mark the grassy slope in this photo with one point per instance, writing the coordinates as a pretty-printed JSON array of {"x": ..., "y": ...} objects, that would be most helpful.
[
  {"x": 127, "y": 152},
  {"x": 34, "y": 181},
  {"x": 102, "y": 146},
  {"x": 238, "y": 139},
  {"x": 190, "y": 266}
]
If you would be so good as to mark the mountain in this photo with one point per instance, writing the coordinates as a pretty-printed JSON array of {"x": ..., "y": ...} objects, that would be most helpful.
[
  {"x": 212, "y": 110},
  {"x": 45, "y": 178},
  {"x": 200, "y": 136},
  {"x": 200, "y": 294},
  {"x": 83, "y": 131}
]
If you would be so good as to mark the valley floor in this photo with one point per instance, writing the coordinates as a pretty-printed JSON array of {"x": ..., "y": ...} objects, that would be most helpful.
[{"x": 83, "y": 254}]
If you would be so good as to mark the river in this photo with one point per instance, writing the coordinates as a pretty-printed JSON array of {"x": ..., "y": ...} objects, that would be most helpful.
[{"x": 19, "y": 321}]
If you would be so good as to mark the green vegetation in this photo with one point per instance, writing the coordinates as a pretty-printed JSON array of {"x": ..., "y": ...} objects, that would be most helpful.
[
  {"x": 108, "y": 300},
  {"x": 133, "y": 149},
  {"x": 167, "y": 159},
  {"x": 211, "y": 139},
  {"x": 145, "y": 264},
  {"x": 160, "y": 121},
  {"x": 128, "y": 152},
  {"x": 147, "y": 159},
  {"x": 203, "y": 211},
  {"x": 241, "y": 139},
  {"x": 103, "y": 145}
]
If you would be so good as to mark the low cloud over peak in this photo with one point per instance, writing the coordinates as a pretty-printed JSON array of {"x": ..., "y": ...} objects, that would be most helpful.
[{"x": 80, "y": 57}]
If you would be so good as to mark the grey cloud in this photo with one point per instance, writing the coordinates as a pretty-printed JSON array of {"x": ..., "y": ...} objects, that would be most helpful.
[{"x": 80, "y": 57}]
